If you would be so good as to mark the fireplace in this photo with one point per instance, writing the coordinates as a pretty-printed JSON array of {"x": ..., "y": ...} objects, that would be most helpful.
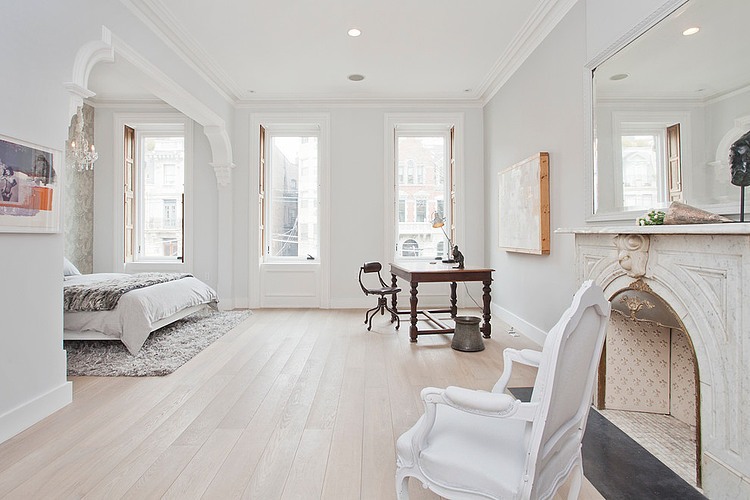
[
  {"x": 648, "y": 379},
  {"x": 698, "y": 274}
]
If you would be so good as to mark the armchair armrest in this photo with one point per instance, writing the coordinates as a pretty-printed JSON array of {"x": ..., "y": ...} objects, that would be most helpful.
[
  {"x": 528, "y": 357},
  {"x": 483, "y": 403},
  {"x": 480, "y": 402}
]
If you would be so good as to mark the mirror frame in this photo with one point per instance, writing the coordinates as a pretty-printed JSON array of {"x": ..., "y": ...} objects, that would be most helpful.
[{"x": 588, "y": 102}]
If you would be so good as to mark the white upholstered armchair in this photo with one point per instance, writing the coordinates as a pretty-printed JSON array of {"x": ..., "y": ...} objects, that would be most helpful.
[{"x": 478, "y": 444}]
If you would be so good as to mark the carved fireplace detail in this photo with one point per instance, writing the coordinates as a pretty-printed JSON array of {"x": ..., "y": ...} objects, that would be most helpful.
[{"x": 701, "y": 273}]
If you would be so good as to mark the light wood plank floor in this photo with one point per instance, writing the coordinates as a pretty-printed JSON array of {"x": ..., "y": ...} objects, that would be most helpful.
[{"x": 291, "y": 404}]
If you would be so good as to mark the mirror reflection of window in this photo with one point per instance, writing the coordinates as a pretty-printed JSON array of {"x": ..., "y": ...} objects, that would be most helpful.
[
  {"x": 670, "y": 76},
  {"x": 641, "y": 167}
]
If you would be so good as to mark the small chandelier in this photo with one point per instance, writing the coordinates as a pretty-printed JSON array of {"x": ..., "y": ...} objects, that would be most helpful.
[{"x": 81, "y": 155}]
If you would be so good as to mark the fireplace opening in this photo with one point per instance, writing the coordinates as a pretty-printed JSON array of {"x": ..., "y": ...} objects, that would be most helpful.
[{"x": 648, "y": 380}]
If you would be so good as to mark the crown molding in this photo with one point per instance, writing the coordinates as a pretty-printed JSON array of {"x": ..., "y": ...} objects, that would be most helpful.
[
  {"x": 163, "y": 23},
  {"x": 165, "y": 26},
  {"x": 540, "y": 24},
  {"x": 303, "y": 103}
]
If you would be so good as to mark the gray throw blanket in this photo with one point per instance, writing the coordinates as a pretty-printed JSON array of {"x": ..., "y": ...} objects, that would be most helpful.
[{"x": 104, "y": 295}]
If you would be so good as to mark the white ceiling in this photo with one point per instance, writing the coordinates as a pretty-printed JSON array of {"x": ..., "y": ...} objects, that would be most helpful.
[
  {"x": 663, "y": 63},
  {"x": 409, "y": 49}
]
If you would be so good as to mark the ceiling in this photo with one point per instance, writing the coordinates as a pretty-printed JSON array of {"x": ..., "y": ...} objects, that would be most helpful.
[
  {"x": 299, "y": 49},
  {"x": 663, "y": 63}
]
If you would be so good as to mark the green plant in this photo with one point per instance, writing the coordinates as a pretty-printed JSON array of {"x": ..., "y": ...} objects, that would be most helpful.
[{"x": 652, "y": 218}]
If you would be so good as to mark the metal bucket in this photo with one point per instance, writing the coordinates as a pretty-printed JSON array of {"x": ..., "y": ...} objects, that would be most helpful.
[{"x": 467, "y": 336}]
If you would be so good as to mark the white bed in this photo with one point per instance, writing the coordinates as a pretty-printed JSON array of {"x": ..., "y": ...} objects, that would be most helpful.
[{"x": 138, "y": 312}]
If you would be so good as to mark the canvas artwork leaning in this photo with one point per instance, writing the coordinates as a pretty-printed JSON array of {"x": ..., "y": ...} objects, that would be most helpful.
[{"x": 28, "y": 184}]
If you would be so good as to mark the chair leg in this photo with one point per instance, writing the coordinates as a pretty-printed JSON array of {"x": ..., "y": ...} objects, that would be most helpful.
[
  {"x": 576, "y": 481},
  {"x": 382, "y": 307},
  {"x": 373, "y": 310},
  {"x": 371, "y": 314},
  {"x": 394, "y": 316},
  {"x": 402, "y": 487}
]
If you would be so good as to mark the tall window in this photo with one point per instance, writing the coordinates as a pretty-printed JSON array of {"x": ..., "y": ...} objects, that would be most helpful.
[
  {"x": 290, "y": 160},
  {"x": 643, "y": 169},
  {"x": 154, "y": 192},
  {"x": 424, "y": 154}
]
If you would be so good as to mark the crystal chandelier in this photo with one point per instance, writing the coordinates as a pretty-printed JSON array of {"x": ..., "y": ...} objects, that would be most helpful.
[{"x": 80, "y": 154}]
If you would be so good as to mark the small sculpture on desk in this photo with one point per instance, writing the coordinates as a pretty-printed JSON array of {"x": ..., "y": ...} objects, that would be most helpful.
[{"x": 458, "y": 257}]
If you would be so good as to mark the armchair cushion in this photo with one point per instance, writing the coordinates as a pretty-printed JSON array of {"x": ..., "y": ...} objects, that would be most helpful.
[{"x": 458, "y": 438}]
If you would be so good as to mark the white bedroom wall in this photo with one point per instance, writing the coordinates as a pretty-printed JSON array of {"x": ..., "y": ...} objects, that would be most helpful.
[
  {"x": 34, "y": 109},
  {"x": 357, "y": 193},
  {"x": 204, "y": 207},
  {"x": 541, "y": 109},
  {"x": 40, "y": 40}
]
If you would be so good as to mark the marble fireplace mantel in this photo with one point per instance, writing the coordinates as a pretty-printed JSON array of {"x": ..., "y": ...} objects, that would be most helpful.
[
  {"x": 703, "y": 272},
  {"x": 725, "y": 228}
]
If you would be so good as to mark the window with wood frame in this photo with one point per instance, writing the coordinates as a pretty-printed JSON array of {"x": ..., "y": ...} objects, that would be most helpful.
[
  {"x": 154, "y": 193},
  {"x": 425, "y": 188},
  {"x": 288, "y": 191},
  {"x": 674, "y": 163}
]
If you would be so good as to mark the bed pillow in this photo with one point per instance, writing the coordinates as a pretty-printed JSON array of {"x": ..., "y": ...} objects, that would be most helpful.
[{"x": 69, "y": 269}]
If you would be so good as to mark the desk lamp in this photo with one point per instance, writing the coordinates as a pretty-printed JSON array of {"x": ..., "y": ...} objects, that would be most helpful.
[{"x": 439, "y": 222}]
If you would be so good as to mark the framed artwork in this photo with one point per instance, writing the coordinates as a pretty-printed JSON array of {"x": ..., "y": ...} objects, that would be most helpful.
[
  {"x": 523, "y": 205},
  {"x": 29, "y": 187}
]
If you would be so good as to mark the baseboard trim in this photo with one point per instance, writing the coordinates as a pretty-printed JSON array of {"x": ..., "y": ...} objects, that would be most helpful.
[
  {"x": 28, "y": 414},
  {"x": 522, "y": 326}
]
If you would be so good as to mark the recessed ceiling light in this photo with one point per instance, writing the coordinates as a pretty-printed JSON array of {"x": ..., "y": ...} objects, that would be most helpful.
[
  {"x": 354, "y": 32},
  {"x": 619, "y": 76},
  {"x": 356, "y": 78},
  {"x": 691, "y": 31}
]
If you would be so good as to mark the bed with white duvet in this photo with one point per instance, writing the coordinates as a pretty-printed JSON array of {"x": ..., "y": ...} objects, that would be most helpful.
[{"x": 137, "y": 312}]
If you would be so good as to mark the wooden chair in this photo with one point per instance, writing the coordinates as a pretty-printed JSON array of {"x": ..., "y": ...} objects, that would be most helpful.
[
  {"x": 384, "y": 291},
  {"x": 477, "y": 444}
]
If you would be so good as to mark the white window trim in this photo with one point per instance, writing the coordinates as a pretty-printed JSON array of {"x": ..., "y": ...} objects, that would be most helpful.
[
  {"x": 151, "y": 121},
  {"x": 281, "y": 130},
  {"x": 421, "y": 122},
  {"x": 277, "y": 121}
]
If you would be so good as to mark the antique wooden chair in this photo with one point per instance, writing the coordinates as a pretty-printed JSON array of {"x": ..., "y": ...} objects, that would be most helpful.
[
  {"x": 384, "y": 291},
  {"x": 477, "y": 444}
]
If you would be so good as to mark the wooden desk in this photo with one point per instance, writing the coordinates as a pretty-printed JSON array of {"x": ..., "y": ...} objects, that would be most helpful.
[{"x": 424, "y": 272}]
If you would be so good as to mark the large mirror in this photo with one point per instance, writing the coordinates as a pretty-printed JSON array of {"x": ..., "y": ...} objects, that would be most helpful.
[{"x": 666, "y": 108}]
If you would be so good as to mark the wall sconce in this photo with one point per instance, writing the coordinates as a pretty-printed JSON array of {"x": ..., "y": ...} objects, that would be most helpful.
[{"x": 81, "y": 155}]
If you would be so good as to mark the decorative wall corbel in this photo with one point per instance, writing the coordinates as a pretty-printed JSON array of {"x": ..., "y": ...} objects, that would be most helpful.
[
  {"x": 223, "y": 174},
  {"x": 633, "y": 253}
]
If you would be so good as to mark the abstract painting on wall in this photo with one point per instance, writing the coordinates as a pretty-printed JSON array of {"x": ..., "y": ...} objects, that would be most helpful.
[
  {"x": 523, "y": 206},
  {"x": 29, "y": 188}
]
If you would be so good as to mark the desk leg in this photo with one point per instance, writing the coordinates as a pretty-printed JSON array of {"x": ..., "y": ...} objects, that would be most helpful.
[
  {"x": 394, "y": 283},
  {"x": 413, "y": 302},
  {"x": 454, "y": 309},
  {"x": 487, "y": 328}
]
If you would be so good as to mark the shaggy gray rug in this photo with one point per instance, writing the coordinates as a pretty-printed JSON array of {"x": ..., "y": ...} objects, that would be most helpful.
[{"x": 164, "y": 351}]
